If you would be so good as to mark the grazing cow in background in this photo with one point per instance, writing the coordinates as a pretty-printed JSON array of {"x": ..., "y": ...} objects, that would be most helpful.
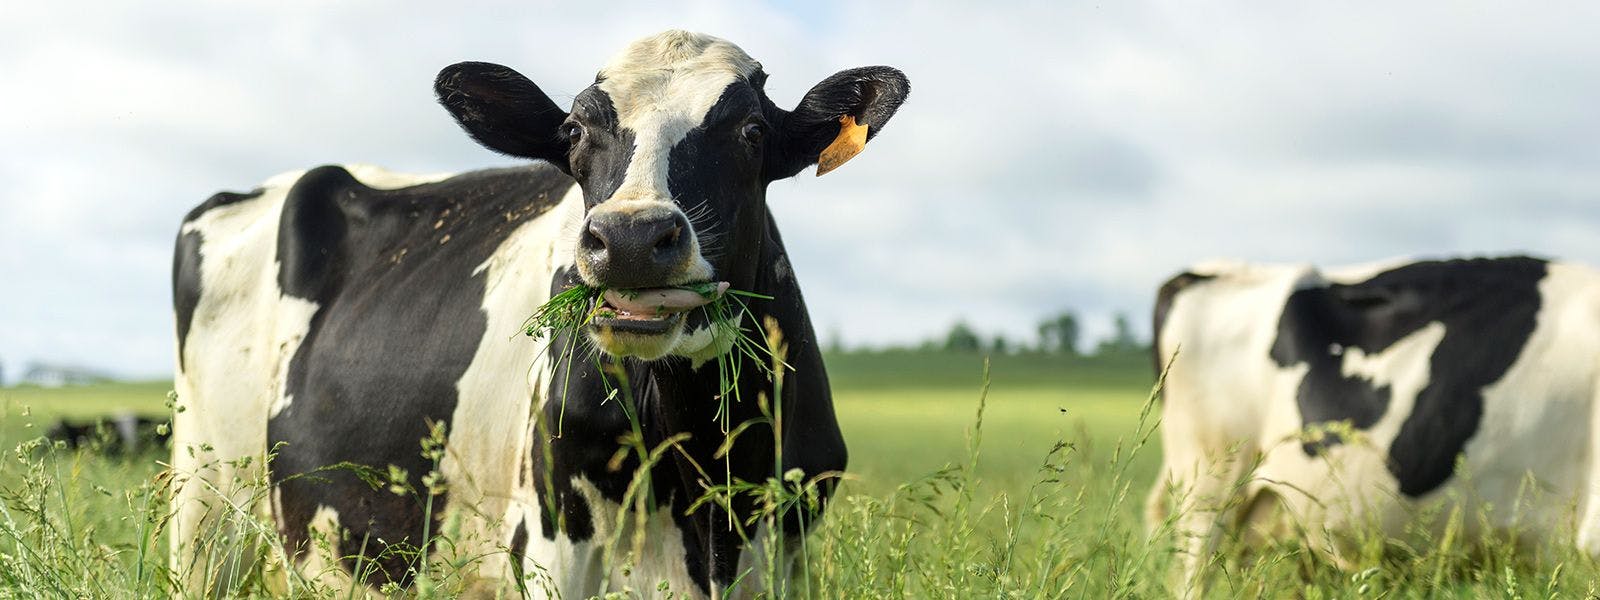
[
  {"x": 1346, "y": 399},
  {"x": 123, "y": 433},
  {"x": 335, "y": 314}
]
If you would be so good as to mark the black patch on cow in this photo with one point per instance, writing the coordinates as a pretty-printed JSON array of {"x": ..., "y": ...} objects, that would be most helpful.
[
  {"x": 1158, "y": 318},
  {"x": 578, "y": 430},
  {"x": 219, "y": 199},
  {"x": 186, "y": 258},
  {"x": 1488, "y": 308},
  {"x": 185, "y": 285},
  {"x": 519, "y": 546},
  {"x": 716, "y": 176},
  {"x": 399, "y": 320},
  {"x": 600, "y": 158}
]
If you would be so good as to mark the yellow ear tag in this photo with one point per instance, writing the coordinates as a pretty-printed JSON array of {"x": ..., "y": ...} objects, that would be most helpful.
[{"x": 852, "y": 139}]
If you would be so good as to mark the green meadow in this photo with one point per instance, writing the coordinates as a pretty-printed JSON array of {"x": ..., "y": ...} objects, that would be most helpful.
[{"x": 1029, "y": 487}]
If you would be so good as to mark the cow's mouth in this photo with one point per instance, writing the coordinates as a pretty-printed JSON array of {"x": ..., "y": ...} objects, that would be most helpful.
[{"x": 652, "y": 311}]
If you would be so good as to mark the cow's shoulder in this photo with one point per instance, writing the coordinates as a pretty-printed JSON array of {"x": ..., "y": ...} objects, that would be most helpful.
[{"x": 339, "y": 224}]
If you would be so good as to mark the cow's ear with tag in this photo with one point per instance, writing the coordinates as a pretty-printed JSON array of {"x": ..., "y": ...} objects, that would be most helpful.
[
  {"x": 503, "y": 110},
  {"x": 836, "y": 119}
]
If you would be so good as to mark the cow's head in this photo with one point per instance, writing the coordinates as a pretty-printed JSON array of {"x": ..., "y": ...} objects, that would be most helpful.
[{"x": 673, "y": 145}]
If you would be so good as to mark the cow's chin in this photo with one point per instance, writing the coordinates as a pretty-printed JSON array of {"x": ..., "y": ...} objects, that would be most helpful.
[{"x": 646, "y": 339}]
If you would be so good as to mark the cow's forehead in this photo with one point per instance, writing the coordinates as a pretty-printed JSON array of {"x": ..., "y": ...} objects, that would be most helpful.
[{"x": 674, "y": 74}]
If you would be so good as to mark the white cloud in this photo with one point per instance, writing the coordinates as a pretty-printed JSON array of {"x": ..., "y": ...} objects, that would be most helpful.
[{"x": 1052, "y": 154}]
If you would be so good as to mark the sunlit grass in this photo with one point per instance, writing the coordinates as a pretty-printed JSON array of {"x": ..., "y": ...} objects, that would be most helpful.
[{"x": 1043, "y": 501}]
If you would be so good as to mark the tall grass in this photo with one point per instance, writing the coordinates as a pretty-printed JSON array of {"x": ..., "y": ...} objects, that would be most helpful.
[{"x": 84, "y": 524}]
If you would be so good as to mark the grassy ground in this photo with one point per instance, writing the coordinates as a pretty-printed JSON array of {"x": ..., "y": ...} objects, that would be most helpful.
[
  {"x": 1047, "y": 505},
  {"x": 905, "y": 414}
]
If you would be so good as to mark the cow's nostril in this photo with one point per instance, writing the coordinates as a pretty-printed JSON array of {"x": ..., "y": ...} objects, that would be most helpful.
[
  {"x": 669, "y": 239},
  {"x": 594, "y": 237}
]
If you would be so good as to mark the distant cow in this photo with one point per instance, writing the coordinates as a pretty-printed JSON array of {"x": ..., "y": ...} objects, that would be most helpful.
[
  {"x": 119, "y": 433},
  {"x": 1331, "y": 401},
  {"x": 332, "y": 315}
]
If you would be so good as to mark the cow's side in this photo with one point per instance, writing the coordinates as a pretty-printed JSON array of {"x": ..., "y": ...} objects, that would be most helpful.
[
  {"x": 1337, "y": 403},
  {"x": 287, "y": 315}
]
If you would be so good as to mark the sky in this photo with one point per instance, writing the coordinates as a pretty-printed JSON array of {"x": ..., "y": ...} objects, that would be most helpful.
[{"x": 1052, "y": 155}]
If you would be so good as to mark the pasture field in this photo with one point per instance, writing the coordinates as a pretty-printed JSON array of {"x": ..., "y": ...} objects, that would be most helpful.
[{"x": 1042, "y": 501}]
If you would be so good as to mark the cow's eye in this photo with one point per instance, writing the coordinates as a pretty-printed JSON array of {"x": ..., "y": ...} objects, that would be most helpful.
[
  {"x": 752, "y": 132},
  {"x": 572, "y": 132}
]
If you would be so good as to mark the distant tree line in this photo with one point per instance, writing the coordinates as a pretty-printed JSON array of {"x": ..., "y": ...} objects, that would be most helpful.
[{"x": 1058, "y": 334}]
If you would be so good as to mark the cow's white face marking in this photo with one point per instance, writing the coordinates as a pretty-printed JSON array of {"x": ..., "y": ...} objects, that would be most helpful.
[{"x": 661, "y": 88}]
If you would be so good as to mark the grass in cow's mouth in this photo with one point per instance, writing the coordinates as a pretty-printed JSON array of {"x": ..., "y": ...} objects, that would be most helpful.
[
  {"x": 578, "y": 306},
  {"x": 569, "y": 310}
]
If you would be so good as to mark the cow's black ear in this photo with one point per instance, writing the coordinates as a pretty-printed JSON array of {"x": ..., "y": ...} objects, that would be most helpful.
[
  {"x": 837, "y": 117},
  {"x": 503, "y": 110}
]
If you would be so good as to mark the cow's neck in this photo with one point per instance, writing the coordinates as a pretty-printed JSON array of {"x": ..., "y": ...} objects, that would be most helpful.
[{"x": 685, "y": 398}]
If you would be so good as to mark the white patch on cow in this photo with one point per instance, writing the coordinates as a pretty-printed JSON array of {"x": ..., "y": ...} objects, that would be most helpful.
[
  {"x": 707, "y": 342},
  {"x": 1532, "y": 458},
  {"x": 662, "y": 87},
  {"x": 321, "y": 561},
  {"x": 781, "y": 269},
  {"x": 225, "y": 381},
  {"x": 1223, "y": 324},
  {"x": 489, "y": 441},
  {"x": 293, "y": 323},
  {"x": 1403, "y": 366},
  {"x": 380, "y": 178},
  {"x": 559, "y": 567},
  {"x": 767, "y": 563},
  {"x": 276, "y": 508},
  {"x": 654, "y": 555},
  {"x": 578, "y": 569}
]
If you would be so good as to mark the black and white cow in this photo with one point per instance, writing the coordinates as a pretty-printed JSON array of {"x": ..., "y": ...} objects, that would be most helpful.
[
  {"x": 333, "y": 315},
  {"x": 1339, "y": 401}
]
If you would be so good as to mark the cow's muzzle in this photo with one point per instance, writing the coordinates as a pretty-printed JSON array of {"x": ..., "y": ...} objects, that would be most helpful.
[{"x": 638, "y": 247}]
